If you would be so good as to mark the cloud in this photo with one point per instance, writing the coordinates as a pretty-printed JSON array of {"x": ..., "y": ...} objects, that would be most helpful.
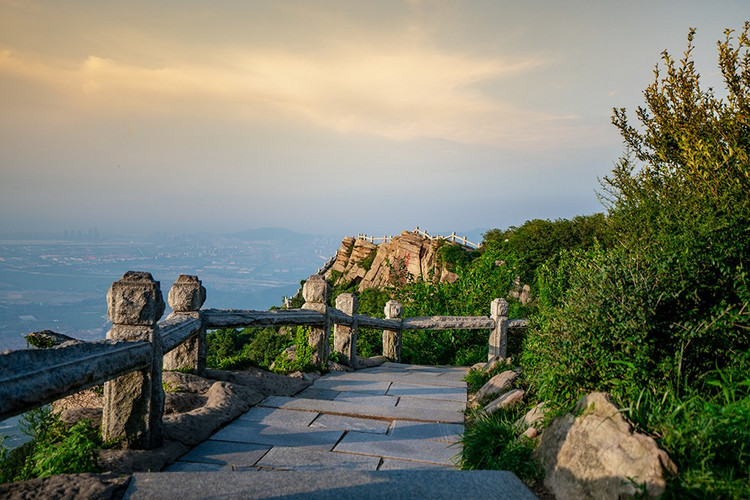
[{"x": 403, "y": 93}]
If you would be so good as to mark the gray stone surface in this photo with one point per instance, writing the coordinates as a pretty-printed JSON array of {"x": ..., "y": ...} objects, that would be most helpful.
[
  {"x": 507, "y": 400},
  {"x": 353, "y": 409},
  {"x": 187, "y": 294},
  {"x": 420, "y": 450},
  {"x": 428, "y": 392},
  {"x": 196, "y": 467},
  {"x": 405, "y": 376},
  {"x": 594, "y": 453},
  {"x": 351, "y": 423},
  {"x": 243, "y": 431},
  {"x": 497, "y": 385},
  {"x": 274, "y": 416},
  {"x": 434, "y": 431},
  {"x": 343, "y": 383},
  {"x": 314, "y": 393},
  {"x": 306, "y": 459},
  {"x": 324, "y": 485},
  {"x": 226, "y": 453},
  {"x": 405, "y": 402},
  {"x": 395, "y": 464},
  {"x": 366, "y": 399}
]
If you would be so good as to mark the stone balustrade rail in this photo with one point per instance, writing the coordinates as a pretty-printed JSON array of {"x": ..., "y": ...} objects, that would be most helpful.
[{"x": 129, "y": 362}]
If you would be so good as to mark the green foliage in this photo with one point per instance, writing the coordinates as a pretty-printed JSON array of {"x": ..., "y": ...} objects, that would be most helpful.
[
  {"x": 366, "y": 263},
  {"x": 303, "y": 354},
  {"x": 661, "y": 319},
  {"x": 451, "y": 255},
  {"x": 55, "y": 448},
  {"x": 491, "y": 442},
  {"x": 230, "y": 349}
]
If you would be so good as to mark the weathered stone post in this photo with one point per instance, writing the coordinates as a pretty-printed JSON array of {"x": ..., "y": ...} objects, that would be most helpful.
[
  {"x": 316, "y": 292},
  {"x": 392, "y": 338},
  {"x": 134, "y": 403},
  {"x": 345, "y": 337},
  {"x": 499, "y": 335},
  {"x": 186, "y": 297}
]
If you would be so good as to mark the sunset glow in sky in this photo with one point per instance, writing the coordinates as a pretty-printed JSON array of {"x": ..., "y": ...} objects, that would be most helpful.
[{"x": 337, "y": 117}]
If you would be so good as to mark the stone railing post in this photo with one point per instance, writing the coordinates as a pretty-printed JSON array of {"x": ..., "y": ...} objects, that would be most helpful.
[
  {"x": 186, "y": 297},
  {"x": 499, "y": 335},
  {"x": 345, "y": 337},
  {"x": 134, "y": 403},
  {"x": 316, "y": 292},
  {"x": 392, "y": 338}
]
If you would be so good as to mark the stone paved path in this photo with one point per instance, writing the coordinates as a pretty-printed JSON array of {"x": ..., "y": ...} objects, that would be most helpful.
[
  {"x": 394, "y": 416},
  {"x": 389, "y": 432}
]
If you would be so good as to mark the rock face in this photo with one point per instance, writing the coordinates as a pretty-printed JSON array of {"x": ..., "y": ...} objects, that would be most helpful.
[
  {"x": 597, "y": 455},
  {"x": 497, "y": 385},
  {"x": 100, "y": 486},
  {"x": 375, "y": 266}
]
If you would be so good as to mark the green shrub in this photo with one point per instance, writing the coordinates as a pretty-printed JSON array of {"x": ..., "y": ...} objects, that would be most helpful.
[
  {"x": 303, "y": 357},
  {"x": 492, "y": 442},
  {"x": 55, "y": 448},
  {"x": 230, "y": 349}
]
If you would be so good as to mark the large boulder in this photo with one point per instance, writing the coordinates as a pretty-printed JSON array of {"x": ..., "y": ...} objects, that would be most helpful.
[
  {"x": 498, "y": 384},
  {"x": 594, "y": 453}
]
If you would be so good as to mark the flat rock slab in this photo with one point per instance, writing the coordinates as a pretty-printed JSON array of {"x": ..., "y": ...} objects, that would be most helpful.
[
  {"x": 428, "y": 392},
  {"x": 365, "y": 399},
  {"x": 275, "y": 416},
  {"x": 243, "y": 431},
  {"x": 351, "y": 423},
  {"x": 327, "y": 484},
  {"x": 415, "y": 378},
  {"x": 226, "y": 453},
  {"x": 419, "y": 450},
  {"x": 306, "y": 459},
  {"x": 314, "y": 393},
  {"x": 368, "y": 411},
  {"x": 364, "y": 386},
  {"x": 395, "y": 464},
  {"x": 449, "y": 433},
  {"x": 437, "y": 404}
]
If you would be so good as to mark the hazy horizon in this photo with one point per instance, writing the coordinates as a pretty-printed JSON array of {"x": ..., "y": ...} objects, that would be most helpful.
[{"x": 329, "y": 117}]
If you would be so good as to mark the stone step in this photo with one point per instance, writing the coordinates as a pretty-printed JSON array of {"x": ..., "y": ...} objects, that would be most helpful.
[
  {"x": 329, "y": 483},
  {"x": 366, "y": 411}
]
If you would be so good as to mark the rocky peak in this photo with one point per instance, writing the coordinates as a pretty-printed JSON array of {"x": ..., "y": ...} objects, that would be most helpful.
[{"x": 368, "y": 265}]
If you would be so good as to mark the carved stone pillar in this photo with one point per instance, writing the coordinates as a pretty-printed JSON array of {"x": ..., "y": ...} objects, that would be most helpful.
[
  {"x": 186, "y": 297},
  {"x": 134, "y": 403},
  {"x": 316, "y": 293},
  {"x": 499, "y": 335},
  {"x": 345, "y": 337},
  {"x": 392, "y": 338}
]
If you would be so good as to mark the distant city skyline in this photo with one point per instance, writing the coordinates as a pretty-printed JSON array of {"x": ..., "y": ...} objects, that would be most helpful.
[{"x": 329, "y": 117}]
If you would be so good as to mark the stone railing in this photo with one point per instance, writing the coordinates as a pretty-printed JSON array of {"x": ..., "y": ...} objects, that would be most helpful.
[
  {"x": 461, "y": 240},
  {"x": 129, "y": 362}
]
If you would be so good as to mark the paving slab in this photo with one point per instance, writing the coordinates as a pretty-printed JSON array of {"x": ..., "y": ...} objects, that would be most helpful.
[
  {"x": 419, "y": 450},
  {"x": 195, "y": 467},
  {"x": 351, "y": 423},
  {"x": 366, "y": 399},
  {"x": 243, "y": 431},
  {"x": 411, "y": 377},
  {"x": 324, "y": 485},
  {"x": 275, "y": 416},
  {"x": 428, "y": 392},
  {"x": 313, "y": 393},
  {"x": 284, "y": 458},
  {"x": 395, "y": 464},
  {"x": 438, "y": 404},
  {"x": 367, "y": 411},
  {"x": 449, "y": 433},
  {"x": 344, "y": 383},
  {"x": 226, "y": 453}
]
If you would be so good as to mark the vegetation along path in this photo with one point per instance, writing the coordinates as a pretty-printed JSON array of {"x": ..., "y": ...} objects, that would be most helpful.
[{"x": 394, "y": 428}]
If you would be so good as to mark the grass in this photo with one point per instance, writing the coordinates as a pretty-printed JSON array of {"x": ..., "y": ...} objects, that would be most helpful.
[{"x": 492, "y": 442}]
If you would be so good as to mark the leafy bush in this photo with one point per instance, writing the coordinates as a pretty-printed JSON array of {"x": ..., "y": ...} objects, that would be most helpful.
[
  {"x": 230, "y": 349},
  {"x": 55, "y": 448},
  {"x": 491, "y": 442},
  {"x": 303, "y": 354}
]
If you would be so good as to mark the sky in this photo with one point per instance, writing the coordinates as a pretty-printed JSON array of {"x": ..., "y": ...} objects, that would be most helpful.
[{"x": 324, "y": 117}]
